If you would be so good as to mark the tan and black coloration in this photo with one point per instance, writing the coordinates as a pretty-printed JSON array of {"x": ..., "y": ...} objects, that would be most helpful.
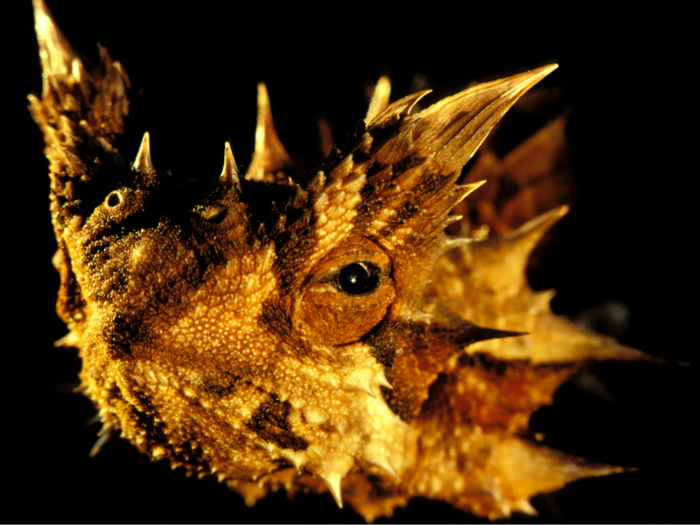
[{"x": 313, "y": 331}]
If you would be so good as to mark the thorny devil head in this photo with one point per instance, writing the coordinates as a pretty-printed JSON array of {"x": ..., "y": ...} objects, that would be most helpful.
[{"x": 320, "y": 332}]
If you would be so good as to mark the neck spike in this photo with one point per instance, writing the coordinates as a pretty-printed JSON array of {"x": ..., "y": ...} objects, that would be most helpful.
[
  {"x": 143, "y": 162},
  {"x": 269, "y": 158}
]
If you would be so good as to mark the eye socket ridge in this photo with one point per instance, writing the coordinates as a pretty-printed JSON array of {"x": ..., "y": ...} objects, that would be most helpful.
[
  {"x": 357, "y": 278},
  {"x": 114, "y": 199}
]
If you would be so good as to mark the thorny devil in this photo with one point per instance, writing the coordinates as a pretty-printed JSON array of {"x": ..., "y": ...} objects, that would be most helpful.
[{"x": 322, "y": 331}]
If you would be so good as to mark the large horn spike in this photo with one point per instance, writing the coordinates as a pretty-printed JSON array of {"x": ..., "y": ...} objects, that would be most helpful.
[
  {"x": 59, "y": 62},
  {"x": 380, "y": 98},
  {"x": 270, "y": 156},
  {"x": 143, "y": 162},
  {"x": 437, "y": 141},
  {"x": 230, "y": 176},
  {"x": 450, "y": 131}
]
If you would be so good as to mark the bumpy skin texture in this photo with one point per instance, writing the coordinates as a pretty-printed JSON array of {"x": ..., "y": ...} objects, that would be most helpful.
[{"x": 216, "y": 332}]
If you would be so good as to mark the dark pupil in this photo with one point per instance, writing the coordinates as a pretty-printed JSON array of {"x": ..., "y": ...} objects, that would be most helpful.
[{"x": 356, "y": 279}]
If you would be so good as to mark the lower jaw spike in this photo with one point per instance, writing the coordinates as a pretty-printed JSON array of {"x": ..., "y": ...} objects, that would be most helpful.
[
  {"x": 332, "y": 481},
  {"x": 383, "y": 463}
]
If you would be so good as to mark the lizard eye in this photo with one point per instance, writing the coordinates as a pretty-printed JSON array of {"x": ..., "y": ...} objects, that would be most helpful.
[
  {"x": 357, "y": 279},
  {"x": 347, "y": 293}
]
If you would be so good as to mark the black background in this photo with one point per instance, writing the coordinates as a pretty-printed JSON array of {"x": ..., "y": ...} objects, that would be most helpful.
[{"x": 194, "y": 72}]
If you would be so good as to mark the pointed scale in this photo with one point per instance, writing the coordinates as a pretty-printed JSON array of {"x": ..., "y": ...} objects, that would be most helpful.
[
  {"x": 230, "y": 176},
  {"x": 143, "y": 162},
  {"x": 269, "y": 157}
]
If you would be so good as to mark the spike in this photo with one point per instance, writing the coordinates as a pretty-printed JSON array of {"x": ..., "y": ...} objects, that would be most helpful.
[
  {"x": 451, "y": 244},
  {"x": 474, "y": 333},
  {"x": 230, "y": 175},
  {"x": 529, "y": 234},
  {"x": 70, "y": 339},
  {"x": 270, "y": 155},
  {"x": 104, "y": 434},
  {"x": 524, "y": 506},
  {"x": 58, "y": 60},
  {"x": 462, "y": 191},
  {"x": 507, "y": 256},
  {"x": 383, "y": 463},
  {"x": 532, "y": 469},
  {"x": 367, "y": 390},
  {"x": 451, "y": 219},
  {"x": 143, "y": 162},
  {"x": 380, "y": 98},
  {"x": 361, "y": 379},
  {"x": 360, "y": 386},
  {"x": 332, "y": 481},
  {"x": 381, "y": 379},
  {"x": 451, "y": 130},
  {"x": 317, "y": 183}
]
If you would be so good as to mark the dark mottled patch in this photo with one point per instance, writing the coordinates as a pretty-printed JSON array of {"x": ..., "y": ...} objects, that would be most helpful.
[
  {"x": 123, "y": 332},
  {"x": 485, "y": 362},
  {"x": 147, "y": 418},
  {"x": 399, "y": 405},
  {"x": 276, "y": 320},
  {"x": 498, "y": 367},
  {"x": 352, "y": 140},
  {"x": 430, "y": 184},
  {"x": 436, "y": 394},
  {"x": 293, "y": 247},
  {"x": 370, "y": 205},
  {"x": 405, "y": 212},
  {"x": 221, "y": 390},
  {"x": 406, "y": 164},
  {"x": 383, "y": 341},
  {"x": 270, "y": 423}
]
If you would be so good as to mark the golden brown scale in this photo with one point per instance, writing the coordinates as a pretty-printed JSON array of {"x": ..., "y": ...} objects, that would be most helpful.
[{"x": 325, "y": 333}]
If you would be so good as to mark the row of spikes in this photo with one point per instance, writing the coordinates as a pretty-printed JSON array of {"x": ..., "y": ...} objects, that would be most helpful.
[
  {"x": 62, "y": 69},
  {"x": 270, "y": 158}
]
